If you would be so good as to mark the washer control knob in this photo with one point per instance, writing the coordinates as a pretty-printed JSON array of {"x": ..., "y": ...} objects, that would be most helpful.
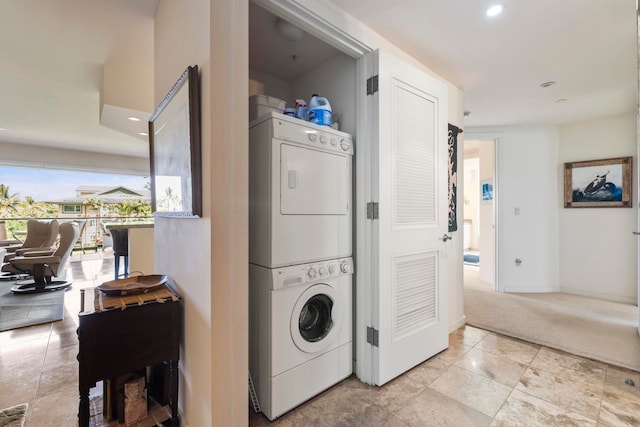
[
  {"x": 323, "y": 139},
  {"x": 332, "y": 269},
  {"x": 334, "y": 142},
  {"x": 322, "y": 270},
  {"x": 345, "y": 267},
  {"x": 311, "y": 273},
  {"x": 345, "y": 144},
  {"x": 312, "y": 136}
]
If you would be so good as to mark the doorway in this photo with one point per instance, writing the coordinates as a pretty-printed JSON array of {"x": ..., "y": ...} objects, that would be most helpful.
[{"x": 480, "y": 194}]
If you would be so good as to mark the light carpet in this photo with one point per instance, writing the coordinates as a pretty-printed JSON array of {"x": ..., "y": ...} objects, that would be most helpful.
[
  {"x": 17, "y": 311},
  {"x": 600, "y": 330},
  {"x": 14, "y": 416}
]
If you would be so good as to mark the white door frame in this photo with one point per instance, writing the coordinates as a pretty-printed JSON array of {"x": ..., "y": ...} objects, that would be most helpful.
[
  {"x": 326, "y": 23},
  {"x": 496, "y": 137}
]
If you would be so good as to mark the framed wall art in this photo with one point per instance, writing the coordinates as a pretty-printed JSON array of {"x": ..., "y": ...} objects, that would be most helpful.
[
  {"x": 174, "y": 150},
  {"x": 598, "y": 183},
  {"x": 486, "y": 191}
]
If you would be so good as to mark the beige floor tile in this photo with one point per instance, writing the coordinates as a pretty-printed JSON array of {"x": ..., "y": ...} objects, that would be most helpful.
[
  {"x": 56, "y": 409},
  {"x": 425, "y": 373},
  {"x": 63, "y": 339},
  {"x": 57, "y": 379},
  {"x": 493, "y": 366},
  {"x": 620, "y": 405},
  {"x": 471, "y": 389},
  {"x": 468, "y": 335},
  {"x": 510, "y": 348},
  {"x": 565, "y": 389},
  {"x": 449, "y": 356},
  {"x": 618, "y": 376},
  {"x": 433, "y": 408},
  {"x": 59, "y": 357},
  {"x": 20, "y": 335},
  {"x": 558, "y": 362},
  {"x": 521, "y": 409},
  {"x": 392, "y": 396}
]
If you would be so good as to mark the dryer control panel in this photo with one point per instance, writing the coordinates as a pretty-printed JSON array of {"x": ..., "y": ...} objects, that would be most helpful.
[
  {"x": 285, "y": 277},
  {"x": 307, "y": 133}
]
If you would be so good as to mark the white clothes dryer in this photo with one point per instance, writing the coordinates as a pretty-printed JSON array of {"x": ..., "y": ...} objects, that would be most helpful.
[
  {"x": 300, "y": 321},
  {"x": 299, "y": 192}
]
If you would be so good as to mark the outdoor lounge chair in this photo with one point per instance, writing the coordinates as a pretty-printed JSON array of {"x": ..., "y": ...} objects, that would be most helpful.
[{"x": 43, "y": 266}]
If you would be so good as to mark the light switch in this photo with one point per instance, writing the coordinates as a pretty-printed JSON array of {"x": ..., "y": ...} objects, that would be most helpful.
[{"x": 516, "y": 211}]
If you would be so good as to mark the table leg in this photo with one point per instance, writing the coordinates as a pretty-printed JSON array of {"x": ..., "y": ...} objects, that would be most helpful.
[
  {"x": 83, "y": 410},
  {"x": 173, "y": 391}
]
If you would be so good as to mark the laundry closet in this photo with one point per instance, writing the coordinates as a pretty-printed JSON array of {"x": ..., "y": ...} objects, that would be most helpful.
[
  {"x": 301, "y": 217},
  {"x": 315, "y": 314}
]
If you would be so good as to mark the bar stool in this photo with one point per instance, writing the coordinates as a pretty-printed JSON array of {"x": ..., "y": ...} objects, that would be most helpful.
[{"x": 120, "y": 237}]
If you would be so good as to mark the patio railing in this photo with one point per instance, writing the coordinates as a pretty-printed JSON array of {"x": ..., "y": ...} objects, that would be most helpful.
[{"x": 92, "y": 234}]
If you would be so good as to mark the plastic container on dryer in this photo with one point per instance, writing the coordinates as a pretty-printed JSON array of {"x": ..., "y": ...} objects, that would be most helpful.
[{"x": 320, "y": 110}]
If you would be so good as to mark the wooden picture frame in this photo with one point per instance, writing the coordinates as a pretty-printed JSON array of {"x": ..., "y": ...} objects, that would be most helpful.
[
  {"x": 175, "y": 152},
  {"x": 598, "y": 183}
]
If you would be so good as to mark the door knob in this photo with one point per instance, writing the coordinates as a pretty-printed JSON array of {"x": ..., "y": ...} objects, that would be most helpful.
[
  {"x": 635, "y": 233},
  {"x": 446, "y": 237}
]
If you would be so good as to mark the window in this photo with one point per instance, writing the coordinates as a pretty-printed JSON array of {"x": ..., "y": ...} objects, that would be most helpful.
[{"x": 71, "y": 209}]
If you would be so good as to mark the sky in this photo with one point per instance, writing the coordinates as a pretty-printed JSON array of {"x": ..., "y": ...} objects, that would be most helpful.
[{"x": 52, "y": 184}]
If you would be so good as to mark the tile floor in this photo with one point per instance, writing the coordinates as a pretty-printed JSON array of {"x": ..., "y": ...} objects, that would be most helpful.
[
  {"x": 38, "y": 364},
  {"x": 483, "y": 379}
]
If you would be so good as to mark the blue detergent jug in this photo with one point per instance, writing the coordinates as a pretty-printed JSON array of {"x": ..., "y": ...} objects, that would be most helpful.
[{"x": 320, "y": 110}]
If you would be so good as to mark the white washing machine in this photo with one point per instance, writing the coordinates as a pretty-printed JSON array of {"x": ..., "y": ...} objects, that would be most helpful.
[
  {"x": 299, "y": 192},
  {"x": 300, "y": 331}
]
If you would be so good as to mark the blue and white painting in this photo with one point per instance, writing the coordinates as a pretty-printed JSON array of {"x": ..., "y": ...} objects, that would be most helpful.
[
  {"x": 487, "y": 191},
  {"x": 597, "y": 184}
]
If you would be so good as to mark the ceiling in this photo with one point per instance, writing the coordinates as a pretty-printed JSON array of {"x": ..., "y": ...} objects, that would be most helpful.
[{"x": 55, "y": 51}]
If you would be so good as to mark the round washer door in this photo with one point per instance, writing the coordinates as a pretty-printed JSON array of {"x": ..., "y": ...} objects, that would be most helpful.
[{"x": 316, "y": 318}]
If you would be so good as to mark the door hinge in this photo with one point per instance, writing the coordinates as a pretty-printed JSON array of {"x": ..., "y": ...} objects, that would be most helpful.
[
  {"x": 372, "y": 210},
  {"x": 372, "y": 336},
  {"x": 372, "y": 85}
]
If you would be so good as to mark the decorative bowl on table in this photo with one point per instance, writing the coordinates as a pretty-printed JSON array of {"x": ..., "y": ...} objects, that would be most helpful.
[{"x": 133, "y": 285}]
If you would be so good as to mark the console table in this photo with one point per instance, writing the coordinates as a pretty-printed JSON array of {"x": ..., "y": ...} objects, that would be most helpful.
[{"x": 119, "y": 335}]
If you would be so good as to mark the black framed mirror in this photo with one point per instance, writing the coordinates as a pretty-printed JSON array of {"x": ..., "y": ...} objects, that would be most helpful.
[{"x": 174, "y": 150}]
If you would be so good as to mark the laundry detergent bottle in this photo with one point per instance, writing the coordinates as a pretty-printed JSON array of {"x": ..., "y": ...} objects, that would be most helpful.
[{"x": 320, "y": 110}]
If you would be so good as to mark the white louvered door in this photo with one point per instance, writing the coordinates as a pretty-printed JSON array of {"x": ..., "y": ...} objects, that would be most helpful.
[{"x": 410, "y": 156}]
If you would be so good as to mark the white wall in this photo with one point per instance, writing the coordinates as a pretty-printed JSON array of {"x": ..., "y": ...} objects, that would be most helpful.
[
  {"x": 598, "y": 253},
  {"x": 265, "y": 84},
  {"x": 527, "y": 178},
  {"x": 486, "y": 228},
  {"x": 472, "y": 195},
  {"x": 336, "y": 81}
]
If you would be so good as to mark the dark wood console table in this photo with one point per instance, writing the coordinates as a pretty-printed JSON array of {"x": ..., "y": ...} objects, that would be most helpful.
[{"x": 119, "y": 335}]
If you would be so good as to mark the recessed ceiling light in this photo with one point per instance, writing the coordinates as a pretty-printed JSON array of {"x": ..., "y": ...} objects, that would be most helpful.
[
  {"x": 547, "y": 84},
  {"x": 143, "y": 133},
  {"x": 134, "y": 118},
  {"x": 3, "y": 129},
  {"x": 494, "y": 10}
]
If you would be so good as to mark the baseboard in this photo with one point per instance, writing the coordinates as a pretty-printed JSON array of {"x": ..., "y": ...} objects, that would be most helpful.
[
  {"x": 457, "y": 324},
  {"x": 599, "y": 295},
  {"x": 536, "y": 290}
]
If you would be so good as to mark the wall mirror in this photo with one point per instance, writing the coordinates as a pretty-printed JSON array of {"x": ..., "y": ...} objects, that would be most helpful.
[{"x": 174, "y": 150}]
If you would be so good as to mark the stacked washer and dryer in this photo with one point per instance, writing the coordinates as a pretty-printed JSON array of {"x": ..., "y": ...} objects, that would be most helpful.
[{"x": 300, "y": 271}]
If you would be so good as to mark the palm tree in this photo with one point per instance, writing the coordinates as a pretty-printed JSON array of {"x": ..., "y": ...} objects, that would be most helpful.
[{"x": 8, "y": 202}]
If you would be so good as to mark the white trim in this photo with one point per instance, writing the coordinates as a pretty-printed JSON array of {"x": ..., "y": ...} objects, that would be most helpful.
[
  {"x": 599, "y": 295},
  {"x": 319, "y": 20},
  {"x": 458, "y": 324},
  {"x": 472, "y": 134},
  {"x": 536, "y": 290},
  {"x": 331, "y": 26}
]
